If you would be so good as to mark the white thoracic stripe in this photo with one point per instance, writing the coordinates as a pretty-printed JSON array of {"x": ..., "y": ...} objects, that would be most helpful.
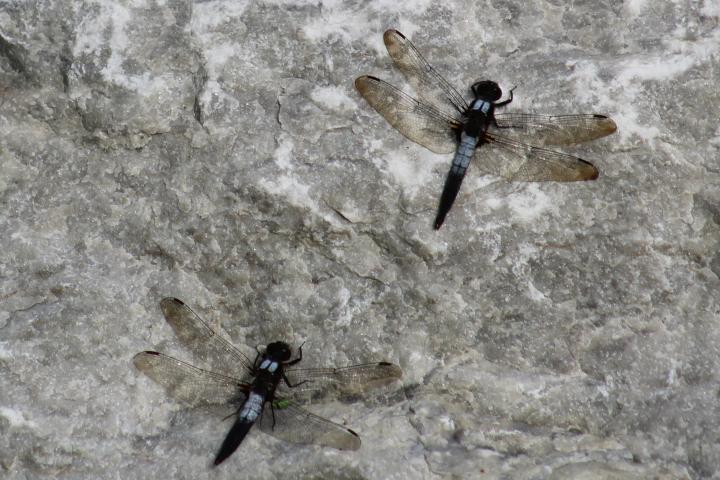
[
  {"x": 482, "y": 105},
  {"x": 268, "y": 365},
  {"x": 252, "y": 408}
]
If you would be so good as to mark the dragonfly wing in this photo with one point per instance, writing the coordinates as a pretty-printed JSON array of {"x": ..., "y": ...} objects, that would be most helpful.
[
  {"x": 520, "y": 162},
  {"x": 285, "y": 420},
  {"x": 342, "y": 381},
  {"x": 419, "y": 122},
  {"x": 192, "y": 385},
  {"x": 545, "y": 130},
  {"x": 427, "y": 82},
  {"x": 219, "y": 354}
]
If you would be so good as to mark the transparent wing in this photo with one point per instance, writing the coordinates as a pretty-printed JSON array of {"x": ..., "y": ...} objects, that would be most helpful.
[
  {"x": 192, "y": 385},
  {"x": 520, "y": 162},
  {"x": 544, "y": 130},
  {"x": 219, "y": 354},
  {"x": 341, "y": 381},
  {"x": 427, "y": 82},
  {"x": 287, "y": 421},
  {"x": 420, "y": 123}
]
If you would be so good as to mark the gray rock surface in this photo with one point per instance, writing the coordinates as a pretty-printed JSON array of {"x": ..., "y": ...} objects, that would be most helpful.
[{"x": 216, "y": 151}]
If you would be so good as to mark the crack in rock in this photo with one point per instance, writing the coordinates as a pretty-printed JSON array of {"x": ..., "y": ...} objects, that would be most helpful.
[
  {"x": 14, "y": 55},
  {"x": 200, "y": 79}
]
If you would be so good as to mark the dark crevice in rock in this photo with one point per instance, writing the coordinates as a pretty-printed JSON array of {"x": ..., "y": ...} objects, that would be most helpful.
[
  {"x": 83, "y": 117},
  {"x": 199, "y": 80},
  {"x": 14, "y": 55},
  {"x": 197, "y": 110},
  {"x": 277, "y": 115},
  {"x": 65, "y": 66},
  {"x": 339, "y": 213}
]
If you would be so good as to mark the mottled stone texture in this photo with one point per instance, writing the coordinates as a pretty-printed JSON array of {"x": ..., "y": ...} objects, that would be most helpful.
[{"x": 216, "y": 151}]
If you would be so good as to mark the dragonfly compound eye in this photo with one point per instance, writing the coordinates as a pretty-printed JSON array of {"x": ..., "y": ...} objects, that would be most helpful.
[
  {"x": 279, "y": 351},
  {"x": 487, "y": 90}
]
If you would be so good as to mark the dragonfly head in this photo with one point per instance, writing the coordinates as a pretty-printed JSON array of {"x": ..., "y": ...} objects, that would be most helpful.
[
  {"x": 279, "y": 351},
  {"x": 486, "y": 90}
]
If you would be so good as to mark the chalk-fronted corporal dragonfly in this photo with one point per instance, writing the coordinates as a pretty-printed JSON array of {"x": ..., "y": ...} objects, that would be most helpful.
[
  {"x": 444, "y": 122},
  {"x": 263, "y": 391}
]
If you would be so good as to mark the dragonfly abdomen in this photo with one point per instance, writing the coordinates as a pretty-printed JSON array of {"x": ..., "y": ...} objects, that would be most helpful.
[
  {"x": 233, "y": 440},
  {"x": 252, "y": 408},
  {"x": 464, "y": 154}
]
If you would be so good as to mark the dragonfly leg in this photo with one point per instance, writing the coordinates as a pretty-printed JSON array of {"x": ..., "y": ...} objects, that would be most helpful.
[
  {"x": 293, "y": 362},
  {"x": 272, "y": 412},
  {"x": 287, "y": 382},
  {"x": 502, "y": 104}
]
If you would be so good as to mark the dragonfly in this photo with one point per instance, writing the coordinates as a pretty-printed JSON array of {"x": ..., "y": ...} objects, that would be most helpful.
[
  {"x": 264, "y": 391},
  {"x": 444, "y": 122}
]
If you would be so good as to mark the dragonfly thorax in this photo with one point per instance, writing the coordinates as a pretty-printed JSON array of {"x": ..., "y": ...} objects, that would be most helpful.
[
  {"x": 486, "y": 90},
  {"x": 479, "y": 116}
]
